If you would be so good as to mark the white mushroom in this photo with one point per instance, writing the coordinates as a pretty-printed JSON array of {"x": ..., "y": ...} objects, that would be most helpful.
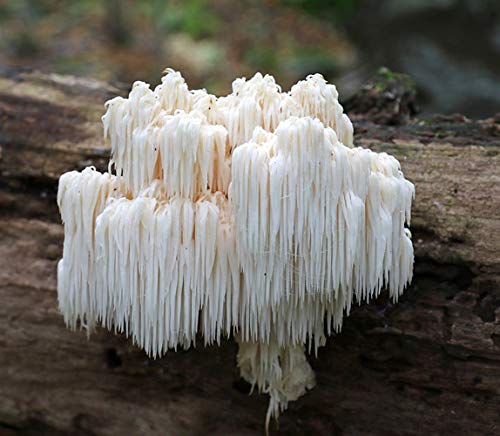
[{"x": 247, "y": 215}]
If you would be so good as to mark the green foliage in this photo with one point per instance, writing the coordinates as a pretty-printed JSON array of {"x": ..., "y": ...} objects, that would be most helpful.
[
  {"x": 131, "y": 38},
  {"x": 32, "y": 10},
  {"x": 306, "y": 60},
  {"x": 23, "y": 45},
  {"x": 337, "y": 10},
  {"x": 193, "y": 17},
  {"x": 263, "y": 58}
]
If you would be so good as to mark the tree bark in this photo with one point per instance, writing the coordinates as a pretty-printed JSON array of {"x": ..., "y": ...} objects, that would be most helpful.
[{"x": 428, "y": 365}]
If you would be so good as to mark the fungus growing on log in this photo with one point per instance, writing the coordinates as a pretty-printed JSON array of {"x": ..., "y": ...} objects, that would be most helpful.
[{"x": 249, "y": 215}]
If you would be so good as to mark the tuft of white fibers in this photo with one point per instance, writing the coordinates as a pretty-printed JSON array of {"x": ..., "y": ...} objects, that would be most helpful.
[
  {"x": 281, "y": 372},
  {"x": 250, "y": 215}
]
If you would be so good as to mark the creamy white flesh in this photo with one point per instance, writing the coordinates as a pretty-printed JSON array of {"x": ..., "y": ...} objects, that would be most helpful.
[{"x": 249, "y": 214}]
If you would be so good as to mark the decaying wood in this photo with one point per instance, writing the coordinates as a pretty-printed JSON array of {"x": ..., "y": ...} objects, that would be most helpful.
[{"x": 428, "y": 365}]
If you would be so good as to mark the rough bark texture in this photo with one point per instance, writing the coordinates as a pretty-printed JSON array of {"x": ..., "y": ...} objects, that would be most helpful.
[{"x": 428, "y": 365}]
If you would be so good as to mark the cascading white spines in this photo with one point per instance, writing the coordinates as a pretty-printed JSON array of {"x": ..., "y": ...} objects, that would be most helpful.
[{"x": 249, "y": 214}]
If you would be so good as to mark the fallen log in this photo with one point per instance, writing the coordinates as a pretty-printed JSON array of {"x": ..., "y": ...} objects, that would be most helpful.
[{"x": 428, "y": 365}]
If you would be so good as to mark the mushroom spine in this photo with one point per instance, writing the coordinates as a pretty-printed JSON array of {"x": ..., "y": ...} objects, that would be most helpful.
[{"x": 250, "y": 214}]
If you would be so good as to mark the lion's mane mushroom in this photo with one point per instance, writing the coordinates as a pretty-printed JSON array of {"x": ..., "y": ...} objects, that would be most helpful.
[{"x": 250, "y": 214}]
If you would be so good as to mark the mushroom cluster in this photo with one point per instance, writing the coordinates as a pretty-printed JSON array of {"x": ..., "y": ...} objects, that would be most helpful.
[{"x": 250, "y": 214}]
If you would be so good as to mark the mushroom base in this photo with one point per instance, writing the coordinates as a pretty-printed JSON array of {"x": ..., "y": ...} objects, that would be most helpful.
[{"x": 282, "y": 372}]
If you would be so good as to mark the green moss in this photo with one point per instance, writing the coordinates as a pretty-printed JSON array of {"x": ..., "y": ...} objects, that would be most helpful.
[
  {"x": 386, "y": 73},
  {"x": 386, "y": 77}
]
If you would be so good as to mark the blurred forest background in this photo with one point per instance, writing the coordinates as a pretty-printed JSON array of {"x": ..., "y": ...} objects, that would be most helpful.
[{"x": 451, "y": 48}]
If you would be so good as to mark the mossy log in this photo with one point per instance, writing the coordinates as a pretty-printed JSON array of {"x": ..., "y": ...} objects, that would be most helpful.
[{"x": 428, "y": 365}]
